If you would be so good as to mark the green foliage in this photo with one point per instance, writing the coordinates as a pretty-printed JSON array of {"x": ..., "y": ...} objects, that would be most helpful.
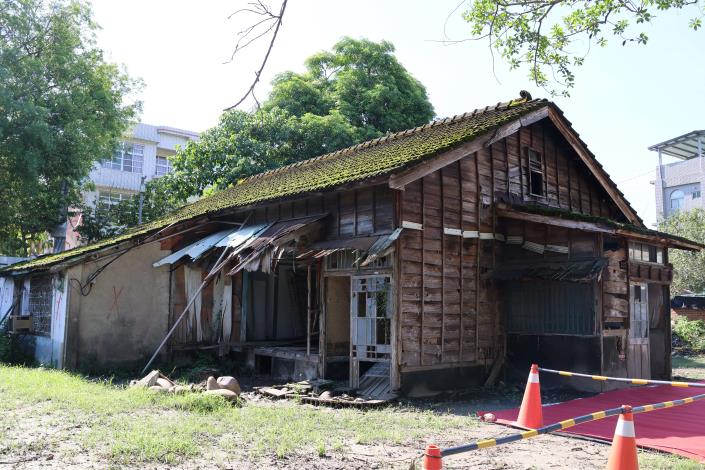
[
  {"x": 547, "y": 36},
  {"x": 61, "y": 109},
  {"x": 353, "y": 93},
  {"x": 102, "y": 220},
  {"x": 688, "y": 266},
  {"x": 691, "y": 333},
  {"x": 363, "y": 81}
]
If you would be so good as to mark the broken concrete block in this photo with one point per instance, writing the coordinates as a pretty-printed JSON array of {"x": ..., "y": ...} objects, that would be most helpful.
[
  {"x": 227, "y": 394},
  {"x": 157, "y": 388},
  {"x": 148, "y": 380},
  {"x": 326, "y": 395},
  {"x": 229, "y": 383},
  {"x": 164, "y": 383}
]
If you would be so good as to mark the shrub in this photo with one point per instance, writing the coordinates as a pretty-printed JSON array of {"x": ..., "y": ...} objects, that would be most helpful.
[{"x": 691, "y": 333}]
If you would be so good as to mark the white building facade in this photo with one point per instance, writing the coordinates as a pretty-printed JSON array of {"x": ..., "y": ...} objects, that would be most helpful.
[
  {"x": 679, "y": 184},
  {"x": 143, "y": 155}
]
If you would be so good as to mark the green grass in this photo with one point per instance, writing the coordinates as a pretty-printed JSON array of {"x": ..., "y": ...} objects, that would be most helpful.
[
  {"x": 691, "y": 367},
  {"x": 129, "y": 426},
  {"x": 650, "y": 460}
]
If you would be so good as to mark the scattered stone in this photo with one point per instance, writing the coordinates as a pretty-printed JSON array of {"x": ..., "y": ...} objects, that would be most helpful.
[
  {"x": 229, "y": 383},
  {"x": 227, "y": 394},
  {"x": 326, "y": 395},
  {"x": 157, "y": 388},
  {"x": 212, "y": 384}
]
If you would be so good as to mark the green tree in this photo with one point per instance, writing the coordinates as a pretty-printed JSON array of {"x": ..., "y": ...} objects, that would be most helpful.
[
  {"x": 62, "y": 107},
  {"x": 363, "y": 81},
  {"x": 356, "y": 92},
  {"x": 688, "y": 267},
  {"x": 548, "y": 37}
]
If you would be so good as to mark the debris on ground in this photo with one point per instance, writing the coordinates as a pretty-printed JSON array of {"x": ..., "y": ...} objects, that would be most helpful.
[
  {"x": 225, "y": 386},
  {"x": 320, "y": 392}
]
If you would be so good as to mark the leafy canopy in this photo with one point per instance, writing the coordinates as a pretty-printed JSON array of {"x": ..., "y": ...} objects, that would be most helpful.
[
  {"x": 61, "y": 109},
  {"x": 355, "y": 92},
  {"x": 547, "y": 36},
  {"x": 688, "y": 267}
]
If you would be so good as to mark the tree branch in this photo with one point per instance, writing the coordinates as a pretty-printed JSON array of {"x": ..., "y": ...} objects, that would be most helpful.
[{"x": 264, "y": 10}]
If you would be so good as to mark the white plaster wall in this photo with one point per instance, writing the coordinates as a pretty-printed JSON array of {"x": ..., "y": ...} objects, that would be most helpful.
[
  {"x": 7, "y": 293},
  {"x": 679, "y": 175}
]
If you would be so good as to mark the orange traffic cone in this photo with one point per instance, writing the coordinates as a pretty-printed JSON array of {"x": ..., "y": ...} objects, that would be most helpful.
[
  {"x": 623, "y": 451},
  {"x": 530, "y": 413},
  {"x": 432, "y": 458}
]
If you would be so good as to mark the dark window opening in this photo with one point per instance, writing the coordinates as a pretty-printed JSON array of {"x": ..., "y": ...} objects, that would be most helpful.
[{"x": 536, "y": 187}]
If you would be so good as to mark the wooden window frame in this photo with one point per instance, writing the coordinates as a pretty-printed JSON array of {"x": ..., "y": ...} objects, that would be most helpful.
[{"x": 539, "y": 168}]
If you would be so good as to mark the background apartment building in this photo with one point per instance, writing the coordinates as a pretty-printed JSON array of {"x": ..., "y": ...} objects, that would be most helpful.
[
  {"x": 141, "y": 156},
  {"x": 679, "y": 184}
]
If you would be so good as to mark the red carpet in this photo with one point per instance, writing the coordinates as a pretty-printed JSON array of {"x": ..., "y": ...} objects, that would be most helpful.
[{"x": 679, "y": 430}]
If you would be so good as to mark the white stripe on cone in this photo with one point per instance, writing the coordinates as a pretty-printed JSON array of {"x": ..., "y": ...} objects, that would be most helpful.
[
  {"x": 533, "y": 378},
  {"x": 625, "y": 428}
]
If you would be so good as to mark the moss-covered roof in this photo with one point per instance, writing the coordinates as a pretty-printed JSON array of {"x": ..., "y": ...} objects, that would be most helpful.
[{"x": 378, "y": 157}]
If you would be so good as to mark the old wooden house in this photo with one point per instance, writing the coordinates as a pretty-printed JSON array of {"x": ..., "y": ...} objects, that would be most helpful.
[{"x": 432, "y": 257}]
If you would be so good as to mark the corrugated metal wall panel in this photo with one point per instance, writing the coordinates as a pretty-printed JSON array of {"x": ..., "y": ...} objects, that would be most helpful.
[{"x": 544, "y": 307}]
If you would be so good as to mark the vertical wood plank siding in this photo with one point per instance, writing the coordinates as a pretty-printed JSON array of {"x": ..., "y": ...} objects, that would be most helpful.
[{"x": 451, "y": 312}]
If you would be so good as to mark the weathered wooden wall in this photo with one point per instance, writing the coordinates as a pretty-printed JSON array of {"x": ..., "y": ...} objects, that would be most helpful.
[
  {"x": 450, "y": 312},
  {"x": 353, "y": 213}
]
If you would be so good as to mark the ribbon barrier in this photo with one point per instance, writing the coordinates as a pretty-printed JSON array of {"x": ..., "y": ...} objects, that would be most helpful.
[
  {"x": 434, "y": 455},
  {"x": 568, "y": 423},
  {"x": 603, "y": 378}
]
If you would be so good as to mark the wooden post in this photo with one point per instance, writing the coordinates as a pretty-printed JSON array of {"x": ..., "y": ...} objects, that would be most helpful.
[{"x": 308, "y": 310}]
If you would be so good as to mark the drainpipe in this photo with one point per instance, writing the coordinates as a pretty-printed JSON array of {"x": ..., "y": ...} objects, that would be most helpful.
[
  {"x": 700, "y": 158},
  {"x": 139, "y": 211},
  {"x": 663, "y": 184}
]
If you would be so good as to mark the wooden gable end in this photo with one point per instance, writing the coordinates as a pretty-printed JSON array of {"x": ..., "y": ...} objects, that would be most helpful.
[
  {"x": 567, "y": 183},
  {"x": 450, "y": 309}
]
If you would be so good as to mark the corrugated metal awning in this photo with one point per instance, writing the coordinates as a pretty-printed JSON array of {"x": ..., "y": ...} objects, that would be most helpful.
[
  {"x": 232, "y": 238},
  {"x": 273, "y": 237},
  {"x": 573, "y": 271}
]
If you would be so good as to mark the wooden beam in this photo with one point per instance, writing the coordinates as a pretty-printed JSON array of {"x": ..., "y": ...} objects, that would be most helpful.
[
  {"x": 400, "y": 180},
  {"x": 504, "y": 211}
]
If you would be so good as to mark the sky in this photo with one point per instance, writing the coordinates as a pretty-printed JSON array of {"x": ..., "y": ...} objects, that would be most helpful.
[{"x": 625, "y": 98}]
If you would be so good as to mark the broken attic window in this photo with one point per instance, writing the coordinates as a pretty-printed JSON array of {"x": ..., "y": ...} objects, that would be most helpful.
[{"x": 536, "y": 186}]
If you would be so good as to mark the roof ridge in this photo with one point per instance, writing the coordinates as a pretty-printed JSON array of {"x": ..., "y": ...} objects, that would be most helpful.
[{"x": 395, "y": 135}]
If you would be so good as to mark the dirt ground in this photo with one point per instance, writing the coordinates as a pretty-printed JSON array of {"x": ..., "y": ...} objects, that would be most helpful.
[
  {"x": 40, "y": 431},
  {"x": 37, "y": 447}
]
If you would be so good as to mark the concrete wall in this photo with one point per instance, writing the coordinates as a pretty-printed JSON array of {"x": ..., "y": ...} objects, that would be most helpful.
[
  {"x": 685, "y": 175},
  {"x": 124, "y": 317}
]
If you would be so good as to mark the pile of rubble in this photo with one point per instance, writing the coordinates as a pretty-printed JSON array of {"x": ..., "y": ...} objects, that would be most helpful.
[
  {"x": 226, "y": 386},
  {"x": 316, "y": 392}
]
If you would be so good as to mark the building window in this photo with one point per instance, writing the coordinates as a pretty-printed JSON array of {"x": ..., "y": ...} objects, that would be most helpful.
[
  {"x": 677, "y": 199},
  {"x": 696, "y": 194},
  {"x": 110, "y": 198},
  {"x": 645, "y": 253},
  {"x": 39, "y": 303},
  {"x": 536, "y": 187},
  {"x": 163, "y": 166},
  {"x": 127, "y": 157}
]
